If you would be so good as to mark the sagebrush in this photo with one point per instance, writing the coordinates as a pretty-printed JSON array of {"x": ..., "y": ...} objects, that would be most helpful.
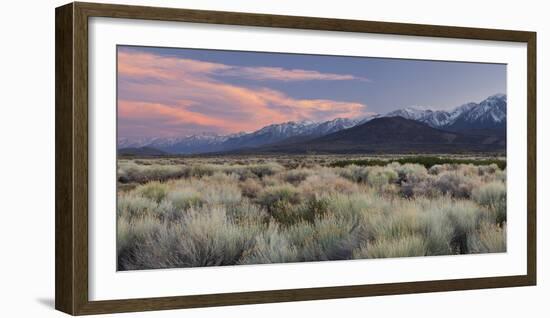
[{"x": 212, "y": 212}]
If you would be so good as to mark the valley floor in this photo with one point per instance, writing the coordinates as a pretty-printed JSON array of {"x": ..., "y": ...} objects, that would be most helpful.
[{"x": 211, "y": 211}]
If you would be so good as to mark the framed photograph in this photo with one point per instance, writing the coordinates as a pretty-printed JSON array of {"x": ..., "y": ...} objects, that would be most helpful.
[{"x": 211, "y": 158}]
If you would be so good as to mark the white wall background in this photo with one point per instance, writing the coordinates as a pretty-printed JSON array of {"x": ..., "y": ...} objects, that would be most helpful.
[{"x": 27, "y": 159}]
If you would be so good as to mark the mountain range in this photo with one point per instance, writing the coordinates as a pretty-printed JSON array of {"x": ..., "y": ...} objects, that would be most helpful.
[{"x": 469, "y": 127}]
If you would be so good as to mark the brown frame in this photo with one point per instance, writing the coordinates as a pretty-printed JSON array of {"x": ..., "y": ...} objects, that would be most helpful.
[{"x": 71, "y": 166}]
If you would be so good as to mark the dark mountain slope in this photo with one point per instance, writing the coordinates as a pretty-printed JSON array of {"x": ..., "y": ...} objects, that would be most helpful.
[
  {"x": 392, "y": 135},
  {"x": 141, "y": 151}
]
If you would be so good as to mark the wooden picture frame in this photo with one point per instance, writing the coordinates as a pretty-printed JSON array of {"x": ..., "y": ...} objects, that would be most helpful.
[{"x": 71, "y": 90}]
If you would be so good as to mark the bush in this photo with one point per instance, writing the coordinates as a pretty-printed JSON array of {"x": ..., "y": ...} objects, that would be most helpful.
[
  {"x": 266, "y": 169},
  {"x": 185, "y": 198},
  {"x": 406, "y": 246},
  {"x": 271, "y": 246},
  {"x": 132, "y": 235},
  {"x": 455, "y": 184},
  {"x": 378, "y": 177},
  {"x": 134, "y": 205},
  {"x": 282, "y": 193},
  {"x": 411, "y": 173},
  {"x": 426, "y": 161},
  {"x": 309, "y": 210},
  {"x": 221, "y": 193},
  {"x": 250, "y": 188},
  {"x": 326, "y": 184},
  {"x": 490, "y": 238},
  {"x": 464, "y": 217},
  {"x": 419, "y": 187},
  {"x": 155, "y": 191},
  {"x": 201, "y": 170},
  {"x": 132, "y": 172},
  {"x": 355, "y": 173},
  {"x": 203, "y": 237},
  {"x": 335, "y": 238},
  {"x": 295, "y": 176},
  {"x": 250, "y": 211},
  {"x": 438, "y": 231},
  {"x": 493, "y": 196}
]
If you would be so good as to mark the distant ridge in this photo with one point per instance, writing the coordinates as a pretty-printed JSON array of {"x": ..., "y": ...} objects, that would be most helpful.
[
  {"x": 141, "y": 151},
  {"x": 486, "y": 118},
  {"x": 390, "y": 135}
]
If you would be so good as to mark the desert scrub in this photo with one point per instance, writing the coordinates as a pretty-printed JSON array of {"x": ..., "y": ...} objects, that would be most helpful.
[
  {"x": 185, "y": 198},
  {"x": 354, "y": 173},
  {"x": 225, "y": 211},
  {"x": 493, "y": 196},
  {"x": 272, "y": 195},
  {"x": 204, "y": 237},
  {"x": 222, "y": 194},
  {"x": 133, "y": 172},
  {"x": 295, "y": 176},
  {"x": 405, "y": 246},
  {"x": 250, "y": 187},
  {"x": 266, "y": 169},
  {"x": 378, "y": 177},
  {"x": 132, "y": 234},
  {"x": 335, "y": 238},
  {"x": 201, "y": 170},
  {"x": 247, "y": 213},
  {"x": 155, "y": 191},
  {"x": 419, "y": 188},
  {"x": 272, "y": 246},
  {"x": 455, "y": 184},
  {"x": 327, "y": 183},
  {"x": 134, "y": 205},
  {"x": 464, "y": 217},
  {"x": 489, "y": 238}
]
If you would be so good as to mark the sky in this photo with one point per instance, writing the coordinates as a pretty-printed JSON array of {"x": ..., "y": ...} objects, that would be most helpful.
[{"x": 173, "y": 92}]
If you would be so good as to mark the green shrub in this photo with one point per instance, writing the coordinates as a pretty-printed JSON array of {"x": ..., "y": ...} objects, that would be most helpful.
[
  {"x": 464, "y": 217},
  {"x": 203, "y": 237},
  {"x": 295, "y": 176},
  {"x": 354, "y": 173},
  {"x": 335, "y": 238},
  {"x": 271, "y": 246},
  {"x": 249, "y": 211},
  {"x": 311, "y": 209},
  {"x": 493, "y": 196},
  {"x": 266, "y": 169},
  {"x": 426, "y": 161},
  {"x": 155, "y": 191},
  {"x": 272, "y": 195},
  {"x": 185, "y": 198},
  {"x": 132, "y": 235},
  {"x": 221, "y": 193},
  {"x": 490, "y": 238},
  {"x": 406, "y": 246},
  {"x": 250, "y": 188},
  {"x": 455, "y": 184},
  {"x": 134, "y": 205},
  {"x": 378, "y": 177},
  {"x": 326, "y": 184}
]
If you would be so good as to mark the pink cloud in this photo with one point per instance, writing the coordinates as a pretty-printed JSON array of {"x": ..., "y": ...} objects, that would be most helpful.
[
  {"x": 281, "y": 74},
  {"x": 177, "y": 91}
]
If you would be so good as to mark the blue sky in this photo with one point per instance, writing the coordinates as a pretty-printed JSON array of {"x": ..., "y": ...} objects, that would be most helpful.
[{"x": 186, "y": 91}]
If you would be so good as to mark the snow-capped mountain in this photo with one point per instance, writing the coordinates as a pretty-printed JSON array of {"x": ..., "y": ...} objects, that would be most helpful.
[
  {"x": 292, "y": 129},
  {"x": 212, "y": 142},
  {"x": 488, "y": 115},
  {"x": 193, "y": 144},
  {"x": 188, "y": 142},
  {"x": 432, "y": 118}
]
